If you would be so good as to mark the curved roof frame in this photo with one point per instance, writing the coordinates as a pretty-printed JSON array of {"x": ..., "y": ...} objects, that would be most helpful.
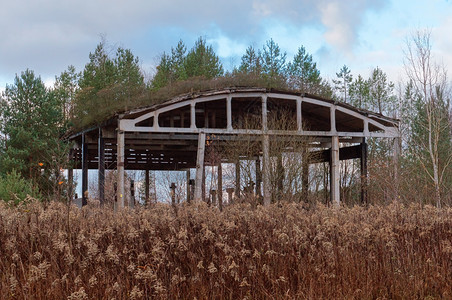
[{"x": 374, "y": 125}]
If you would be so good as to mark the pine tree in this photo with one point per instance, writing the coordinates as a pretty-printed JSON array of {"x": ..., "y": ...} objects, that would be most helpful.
[
  {"x": 342, "y": 83},
  {"x": 31, "y": 116},
  {"x": 202, "y": 61},
  {"x": 381, "y": 92},
  {"x": 359, "y": 93},
  {"x": 273, "y": 63},
  {"x": 65, "y": 89},
  {"x": 251, "y": 62},
  {"x": 303, "y": 73}
]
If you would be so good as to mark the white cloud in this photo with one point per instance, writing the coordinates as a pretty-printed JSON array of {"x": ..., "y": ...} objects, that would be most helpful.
[{"x": 48, "y": 35}]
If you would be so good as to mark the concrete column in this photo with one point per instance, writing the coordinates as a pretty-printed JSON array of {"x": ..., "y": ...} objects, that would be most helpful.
[
  {"x": 333, "y": 119},
  {"x": 281, "y": 175},
  {"x": 229, "y": 112},
  {"x": 188, "y": 185},
  {"x": 173, "y": 193},
  {"x": 132, "y": 194},
  {"x": 335, "y": 174},
  {"x": 220, "y": 186},
  {"x": 396, "y": 151},
  {"x": 70, "y": 176},
  {"x": 264, "y": 113},
  {"x": 200, "y": 166},
  {"x": 203, "y": 190},
  {"x": 213, "y": 198},
  {"x": 192, "y": 115},
  {"x": 299, "y": 116},
  {"x": 363, "y": 163},
  {"x": 230, "y": 191},
  {"x": 266, "y": 169},
  {"x": 120, "y": 169},
  {"x": 146, "y": 187},
  {"x": 84, "y": 171},
  {"x": 305, "y": 175},
  {"x": 237, "y": 178},
  {"x": 101, "y": 167},
  {"x": 258, "y": 177}
]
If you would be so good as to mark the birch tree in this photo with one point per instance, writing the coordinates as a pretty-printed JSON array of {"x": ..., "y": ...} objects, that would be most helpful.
[{"x": 429, "y": 81}]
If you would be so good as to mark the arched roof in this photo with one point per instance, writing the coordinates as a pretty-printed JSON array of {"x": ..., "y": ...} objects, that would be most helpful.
[{"x": 164, "y": 135}]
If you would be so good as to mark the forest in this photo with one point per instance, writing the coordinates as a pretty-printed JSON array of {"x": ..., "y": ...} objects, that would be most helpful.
[{"x": 397, "y": 245}]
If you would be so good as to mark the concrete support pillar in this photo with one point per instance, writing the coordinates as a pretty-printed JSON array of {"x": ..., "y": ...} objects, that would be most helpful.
[
  {"x": 200, "y": 166},
  {"x": 266, "y": 169},
  {"x": 258, "y": 177},
  {"x": 299, "y": 116},
  {"x": 305, "y": 175},
  {"x": 237, "y": 178},
  {"x": 101, "y": 167},
  {"x": 203, "y": 196},
  {"x": 333, "y": 119},
  {"x": 396, "y": 152},
  {"x": 230, "y": 191},
  {"x": 213, "y": 197},
  {"x": 120, "y": 170},
  {"x": 264, "y": 113},
  {"x": 132, "y": 193},
  {"x": 363, "y": 163},
  {"x": 192, "y": 115},
  {"x": 173, "y": 193},
  {"x": 281, "y": 175},
  {"x": 220, "y": 186},
  {"x": 187, "y": 173},
  {"x": 70, "y": 176},
  {"x": 146, "y": 187},
  {"x": 229, "y": 112},
  {"x": 334, "y": 170},
  {"x": 84, "y": 171}
]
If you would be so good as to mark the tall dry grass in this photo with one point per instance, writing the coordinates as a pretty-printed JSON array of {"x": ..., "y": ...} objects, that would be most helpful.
[{"x": 276, "y": 252}]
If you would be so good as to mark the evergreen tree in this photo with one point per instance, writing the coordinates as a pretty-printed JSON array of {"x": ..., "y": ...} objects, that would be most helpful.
[
  {"x": 107, "y": 84},
  {"x": 31, "y": 116},
  {"x": 178, "y": 54},
  {"x": 201, "y": 60},
  {"x": 273, "y": 63},
  {"x": 342, "y": 83},
  {"x": 164, "y": 72},
  {"x": 251, "y": 62},
  {"x": 171, "y": 67},
  {"x": 303, "y": 73},
  {"x": 100, "y": 72},
  {"x": 359, "y": 93},
  {"x": 65, "y": 89},
  {"x": 381, "y": 92}
]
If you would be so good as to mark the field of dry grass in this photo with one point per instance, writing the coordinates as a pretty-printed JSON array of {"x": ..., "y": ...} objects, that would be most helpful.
[{"x": 276, "y": 252}]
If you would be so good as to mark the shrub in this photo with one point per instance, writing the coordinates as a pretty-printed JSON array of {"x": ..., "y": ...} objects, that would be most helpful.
[{"x": 14, "y": 189}]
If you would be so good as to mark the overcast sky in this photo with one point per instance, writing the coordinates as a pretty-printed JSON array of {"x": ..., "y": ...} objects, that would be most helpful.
[{"x": 48, "y": 35}]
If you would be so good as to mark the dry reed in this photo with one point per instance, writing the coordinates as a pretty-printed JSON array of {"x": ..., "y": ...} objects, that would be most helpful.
[{"x": 194, "y": 251}]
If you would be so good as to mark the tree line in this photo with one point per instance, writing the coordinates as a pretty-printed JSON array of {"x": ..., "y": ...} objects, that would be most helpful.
[{"x": 33, "y": 117}]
